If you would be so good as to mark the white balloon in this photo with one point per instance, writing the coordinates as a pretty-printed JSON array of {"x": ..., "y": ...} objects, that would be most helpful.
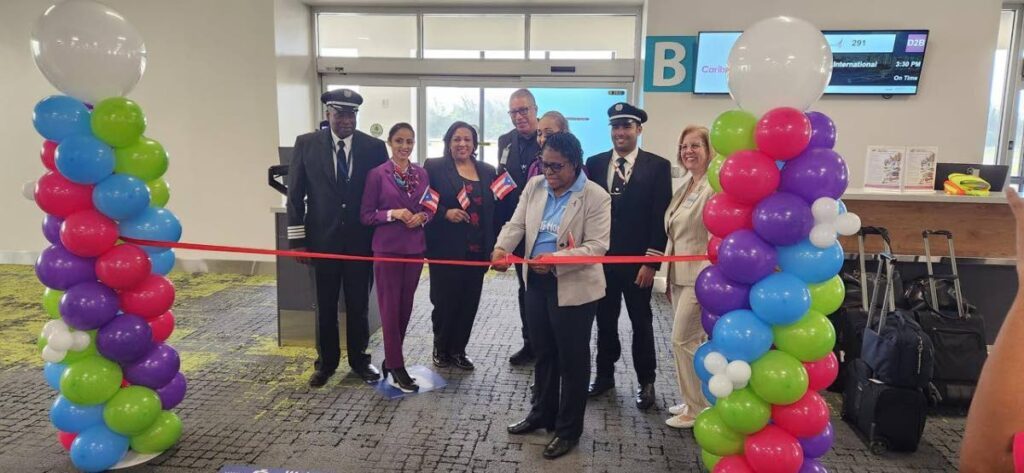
[
  {"x": 88, "y": 50},
  {"x": 739, "y": 373},
  {"x": 779, "y": 62},
  {"x": 60, "y": 341},
  {"x": 79, "y": 340},
  {"x": 715, "y": 363},
  {"x": 56, "y": 325},
  {"x": 823, "y": 235},
  {"x": 848, "y": 224},
  {"x": 28, "y": 190},
  {"x": 825, "y": 210},
  {"x": 720, "y": 386},
  {"x": 53, "y": 356}
]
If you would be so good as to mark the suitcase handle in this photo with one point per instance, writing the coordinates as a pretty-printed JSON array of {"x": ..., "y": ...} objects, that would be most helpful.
[
  {"x": 932, "y": 277},
  {"x": 886, "y": 249},
  {"x": 888, "y": 298}
]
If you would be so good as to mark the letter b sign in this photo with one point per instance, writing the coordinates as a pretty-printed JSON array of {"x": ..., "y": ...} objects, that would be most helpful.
[{"x": 669, "y": 64}]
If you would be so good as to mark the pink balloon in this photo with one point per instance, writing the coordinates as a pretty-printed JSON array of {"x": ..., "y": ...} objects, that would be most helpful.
[
  {"x": 65, "y": 439},
  {"x": 58, "y": 196},
  {"x": 804, "y": 418},
  {"x": 733, "y": 464},
  {"x": 46, "y": 154},
  {"x": 822, "y": 373},
  {"x": 723, "y": 215},
  {"x": 150, "y": 298},
  {"x": 88, "y": 233},
  {"x": 163, "y": 326},
  {"x": 749, "y": 176},
  {"x": 123, "y": 267},
  {"x": 773, "y": 450},
  {"x": 713, "y": 244},
  {"x": 783, "y": 133}
]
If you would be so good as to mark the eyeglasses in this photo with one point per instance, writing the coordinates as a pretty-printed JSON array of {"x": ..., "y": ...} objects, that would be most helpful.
[
  {"x": 519, "y": 111},
  {"x": 553, "y": 167},
  {"x": 694, "y": 147}
]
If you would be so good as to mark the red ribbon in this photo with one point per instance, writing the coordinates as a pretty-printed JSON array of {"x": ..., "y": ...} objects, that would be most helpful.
[{"x": 509, "y": 259}]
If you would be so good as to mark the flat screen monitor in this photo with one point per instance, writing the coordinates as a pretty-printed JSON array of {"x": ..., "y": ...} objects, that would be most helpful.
[{"x": 875, "y": 62}]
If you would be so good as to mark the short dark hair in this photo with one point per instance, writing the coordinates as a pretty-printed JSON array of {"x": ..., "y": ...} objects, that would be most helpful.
[
  {"x": 569, "y": 147},
  {"x": 400, "y": 126},
  {"x": 451, "y": 132}
]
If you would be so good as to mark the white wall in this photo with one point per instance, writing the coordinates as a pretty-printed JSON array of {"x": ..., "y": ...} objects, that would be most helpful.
[
  {"x": 209, "y": 93},
  {"x": 950, "y": 110},
  {"x": 297, "y": 91}
]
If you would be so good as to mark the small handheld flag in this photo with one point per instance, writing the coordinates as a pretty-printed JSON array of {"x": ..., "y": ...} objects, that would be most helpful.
[
  {"x": 503, "y": 185},
  {"x": 430, "y": 199},
  {"x": 463, "y": 198}
]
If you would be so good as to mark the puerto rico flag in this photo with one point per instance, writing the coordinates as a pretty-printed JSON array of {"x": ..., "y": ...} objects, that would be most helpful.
[
  {"x": 463, "y": 198},
  {"x": 503, "y": 185},
  {"x": 430, "y": 199}
]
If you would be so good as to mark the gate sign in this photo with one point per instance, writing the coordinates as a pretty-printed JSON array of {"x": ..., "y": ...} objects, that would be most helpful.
[{"x": 669, "y": 64}]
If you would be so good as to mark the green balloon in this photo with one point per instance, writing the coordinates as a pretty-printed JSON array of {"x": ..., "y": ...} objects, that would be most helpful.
[
  {"x": 76, "y": 356},
  {"x": 828, "y": 296},
  {"x": 117, "y": 121},
  {"x": 778, "y": 378},
  {"x": 41, "y": 342},
  {"x": 743, "y": 411},
  {"x": 714, "y": 436},
  {"x": 809, "y": 339},
  {"x": 160, "y": 436},
  {"x": 733, "y": 131},
  {"x": 709, "y": 459},
  {"x": 146, "y": 160},
  {"x": 159, "y": 192},
  {"x": 713, "y": 169},
  {"x": 91, "y": 381},
  {"x": 132, "y": 410},
  {"x": 51, "y": 302}
]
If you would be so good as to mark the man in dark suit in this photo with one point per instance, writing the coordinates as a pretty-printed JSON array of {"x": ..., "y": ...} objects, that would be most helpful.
[
  {"x": 517, "y": 150},
  {"x": 325, "y": 190},
  {"x": 640, "y": 184}
]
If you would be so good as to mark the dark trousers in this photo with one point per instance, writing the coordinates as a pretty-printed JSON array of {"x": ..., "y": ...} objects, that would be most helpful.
[
  {"x": 455, "y": 294},
  {"x": 355, "y": 278},
  {"x": 621, "y": 285},
  {"x": 561, "y": 342},
  {"x": 520, "y": 276},
  {"x": 396, "y": 287}
]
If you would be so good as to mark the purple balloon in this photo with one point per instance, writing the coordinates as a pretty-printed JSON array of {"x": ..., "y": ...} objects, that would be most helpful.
[
  {"x": 172, "y": 394},
  {"x": 155, "y": 369},
  {"x": 718, "y": 294},
  {"x": 88, "y": 305},
  {"x": 708, "y": 321},
  {"x": 823, "y": 130},
  {"x": 815, "y": 447},
  {"x": 51, "y": 228},
  {"x": 745, "y": 258},
  {"x": 125, "y": 338},
  {"x": 812, "y": 466},
  {"x": 815, "y": 173},
  {"x": 783, "y": 219},
  {"x": 58, "y": 268}
]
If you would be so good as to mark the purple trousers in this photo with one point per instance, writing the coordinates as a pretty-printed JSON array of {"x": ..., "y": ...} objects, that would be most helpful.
[{"x": 396, "y": 286}]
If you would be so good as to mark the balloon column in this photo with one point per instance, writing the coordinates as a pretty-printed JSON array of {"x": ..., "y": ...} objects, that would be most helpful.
[
  {"x": 774, "y": 220},
  {"x": 108, "y": 300}
]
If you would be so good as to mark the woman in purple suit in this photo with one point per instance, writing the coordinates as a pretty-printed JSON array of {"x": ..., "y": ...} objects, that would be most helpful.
[{"x": 392, "y": 202}]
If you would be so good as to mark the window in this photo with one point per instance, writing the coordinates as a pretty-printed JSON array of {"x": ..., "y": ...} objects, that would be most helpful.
[
  {"x": 359, "y": 35},
  {"x": 582, "y": 36},
  {"x": 1004, "y": 137},
  {"x": 1000, "y": 69},
  {"x": 474, "y": 36},
  {"x": 383, "y": 107}
]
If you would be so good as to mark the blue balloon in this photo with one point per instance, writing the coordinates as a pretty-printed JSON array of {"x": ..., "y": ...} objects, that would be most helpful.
[
  {"x": 163, "y": 262},
  {"x": 780, "y": 299},
  {"x": 780, "y": 164},
  {"x": 58, "y": 117},
  {"x": 98, "y": 449},
  {"x": 740, "y": 335},
  {"x": 84, "y": 159},
  {"x": 707, "y": 394},
  {"x": 52, "y": 372},
  {"x": 70, "y": 417},
  {"x": 157, "y": 224},
  {"x": 842, "y": 206},
  {"x": 121, "y": 196},
  {"x": 698, "y": 361},
  {"x": 811, "y": 264}
]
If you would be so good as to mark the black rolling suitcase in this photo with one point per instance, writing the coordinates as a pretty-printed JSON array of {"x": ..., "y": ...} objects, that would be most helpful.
[
  {"x": 886, "y": 417},
  {"x": 958, "y": 335}
]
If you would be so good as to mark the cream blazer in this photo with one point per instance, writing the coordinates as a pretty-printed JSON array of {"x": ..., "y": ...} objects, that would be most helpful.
[{"x": 687, "y": 235}]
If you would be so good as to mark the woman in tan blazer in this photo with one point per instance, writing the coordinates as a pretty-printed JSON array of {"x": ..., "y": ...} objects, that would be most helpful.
[
  {"x": 688, "y": 236},
  {"x": 561, "y": 213}
]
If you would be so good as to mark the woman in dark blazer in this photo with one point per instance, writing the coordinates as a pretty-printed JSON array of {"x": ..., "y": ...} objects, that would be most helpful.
[
  {"x": 392, "y": 202},
  {"x": 463, "y": 230}
]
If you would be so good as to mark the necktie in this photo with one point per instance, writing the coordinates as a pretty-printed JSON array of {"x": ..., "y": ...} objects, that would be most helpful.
[
  {"x": 618, "y": 182},
  {"x": 342, "y": 162}
]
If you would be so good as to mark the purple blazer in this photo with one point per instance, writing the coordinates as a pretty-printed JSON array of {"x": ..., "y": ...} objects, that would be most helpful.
[{"x": 383, "y": 194}]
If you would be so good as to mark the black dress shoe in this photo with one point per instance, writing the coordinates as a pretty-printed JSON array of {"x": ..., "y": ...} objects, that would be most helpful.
[
  {"x": 318, "y": 379},
  {"x": 559, "y": 447},
  {"x": 600, "y": 386},
  {"x": 522, "y": 357},
  {"x": 645, "y": 396},
  {"x": 523, "y": 427},
  {"x": 441, "y": 359},
  {"x": 463, "y": 362},
  {"x": 400, "y": 379},
  {"x": 367, "y": 372}
]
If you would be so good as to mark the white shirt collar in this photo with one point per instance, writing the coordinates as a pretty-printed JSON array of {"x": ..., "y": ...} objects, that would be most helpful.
[
  {"x": 630, "y": 158},
  {"x": 348, "y": 142}
]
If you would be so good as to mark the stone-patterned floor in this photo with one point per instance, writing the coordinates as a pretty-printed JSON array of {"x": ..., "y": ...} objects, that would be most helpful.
[{"x": 248, "y": 402}]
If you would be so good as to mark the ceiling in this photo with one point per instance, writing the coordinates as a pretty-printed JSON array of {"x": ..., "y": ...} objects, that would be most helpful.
[{"x": 475, "y": 3}]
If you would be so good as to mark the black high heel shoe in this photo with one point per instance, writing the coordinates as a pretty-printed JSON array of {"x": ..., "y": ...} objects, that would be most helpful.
[{"x": 400, "y": 379}]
